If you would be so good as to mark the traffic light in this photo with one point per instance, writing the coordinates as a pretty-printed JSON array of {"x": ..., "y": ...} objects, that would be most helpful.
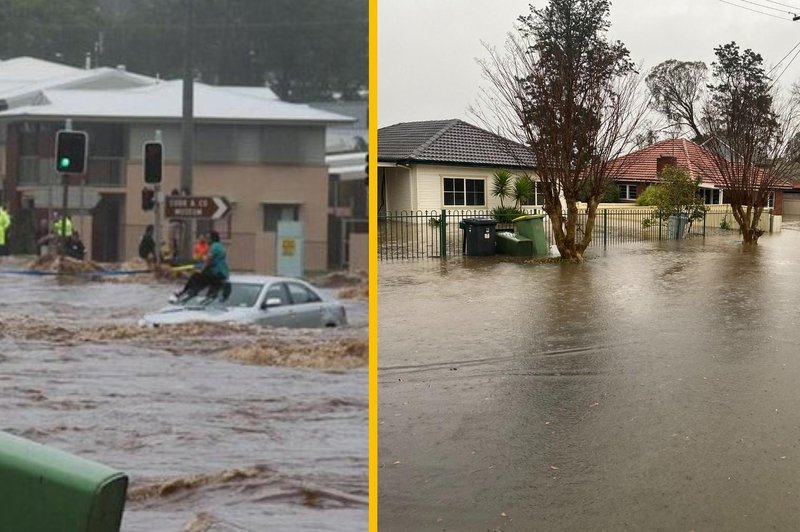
[
  {"x": 71, "y": 150},
  {"x": 148, "y": 199},
  {"x": 153, "y": 162}
]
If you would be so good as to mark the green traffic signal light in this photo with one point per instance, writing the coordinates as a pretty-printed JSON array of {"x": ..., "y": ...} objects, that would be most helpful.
[{"x": 71, "y": 151}]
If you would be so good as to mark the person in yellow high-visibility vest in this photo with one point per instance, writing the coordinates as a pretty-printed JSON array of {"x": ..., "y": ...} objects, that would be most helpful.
[
  {"x": 5, "y": 223},
  {"x": 62, "y": 226}
]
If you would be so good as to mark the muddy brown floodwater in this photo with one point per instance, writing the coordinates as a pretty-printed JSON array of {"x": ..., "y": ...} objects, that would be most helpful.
[
  {"x": 220, "y": 428},
  {"x": 654, "y": 387}
]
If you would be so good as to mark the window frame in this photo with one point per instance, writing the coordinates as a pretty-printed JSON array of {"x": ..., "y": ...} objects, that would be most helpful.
[
  {"x": 709, "y": 194},
  {"x": 537, "y": 195},
  {"x": 628, "y": 187},
  {"x": 464, "y": 192}
]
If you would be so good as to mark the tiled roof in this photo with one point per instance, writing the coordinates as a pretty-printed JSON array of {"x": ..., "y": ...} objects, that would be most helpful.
[
  {"x": 641, "y": 165},
  {"x": 453, "y": 142}
]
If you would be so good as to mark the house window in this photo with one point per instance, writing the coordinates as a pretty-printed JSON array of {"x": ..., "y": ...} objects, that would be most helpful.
[
  {"x": 627, "y": 191},
  {"x": 464, "y": 192},
  {"x": 275, "y": 212},
  {"x": 710, "y": 196},
  {"x": 771, "y": 200},
  {"x": 537, "y": 196}
]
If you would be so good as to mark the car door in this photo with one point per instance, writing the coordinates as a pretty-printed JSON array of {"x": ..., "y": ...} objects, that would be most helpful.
[
  {"x": 277, "y": 309},
  {"x": 307, "y": 305}
]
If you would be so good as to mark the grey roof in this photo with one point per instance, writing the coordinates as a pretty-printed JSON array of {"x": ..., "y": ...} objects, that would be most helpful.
[
  {"x": 162, "y": 101},
  {"x": 23, "y": 79},
  {"x": 452, "y": 142},
  {"x": 38, "y": 89}
]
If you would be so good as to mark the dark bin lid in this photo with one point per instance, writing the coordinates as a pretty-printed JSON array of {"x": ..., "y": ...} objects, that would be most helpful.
[{"x": 479, "y": 221}]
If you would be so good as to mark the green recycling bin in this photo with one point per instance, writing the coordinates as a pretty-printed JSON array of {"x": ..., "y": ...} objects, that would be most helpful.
[
  {"x": 532, "y": 226},
  {"x": 43, "y": 489}
]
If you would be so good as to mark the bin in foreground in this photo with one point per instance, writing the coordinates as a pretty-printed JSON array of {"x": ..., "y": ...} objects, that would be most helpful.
[
  {"x": 479, "y": 236},
  {"x": 43, "y": 489}
]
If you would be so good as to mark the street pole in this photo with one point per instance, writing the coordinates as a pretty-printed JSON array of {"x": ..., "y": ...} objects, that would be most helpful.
[
  {"x": 64, "y": 204},
  {"x": 187, "y": 124},
  {"x": 157, "y": 209},
  {"x": 62, "y": 240}
]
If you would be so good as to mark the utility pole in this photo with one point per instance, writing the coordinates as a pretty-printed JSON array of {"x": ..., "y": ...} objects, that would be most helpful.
[
  {"x": 187, "y": 124},
  {"x": 159, "y": 200}
]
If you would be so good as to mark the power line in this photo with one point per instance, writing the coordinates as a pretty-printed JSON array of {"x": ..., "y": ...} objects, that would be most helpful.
[
  {"x": 753, "y": 10},
  {"x": 785, "y": 68},
  {"x": 784, "y": 5},
  {"x": 783, "y": 58},
  {"x": 765, "y": 6}
]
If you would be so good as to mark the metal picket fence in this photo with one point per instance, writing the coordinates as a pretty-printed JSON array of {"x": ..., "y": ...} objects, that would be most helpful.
[{"x": 436, "y": 233}]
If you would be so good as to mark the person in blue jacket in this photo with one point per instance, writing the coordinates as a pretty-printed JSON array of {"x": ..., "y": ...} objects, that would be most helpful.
[{"x": 213, "y": 276}]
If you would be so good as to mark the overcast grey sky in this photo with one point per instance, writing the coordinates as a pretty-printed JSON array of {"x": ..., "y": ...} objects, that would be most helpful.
[{"x": 427, "y": 48}]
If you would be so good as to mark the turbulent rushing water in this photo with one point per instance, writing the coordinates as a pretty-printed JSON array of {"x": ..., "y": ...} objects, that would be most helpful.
[
  {"x": 653, "y": 387},
  {"x": 219, "y": 427}
]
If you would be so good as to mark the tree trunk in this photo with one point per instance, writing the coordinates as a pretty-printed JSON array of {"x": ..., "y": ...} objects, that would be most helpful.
[
  {"x": 564, "y": 231},
  {"x": 591, "y": 213},
  {"x": 748, "y": 224}
]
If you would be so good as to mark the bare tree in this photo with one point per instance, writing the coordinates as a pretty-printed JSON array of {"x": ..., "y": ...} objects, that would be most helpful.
[
  {"x": 677, "y": 88},
  {"x": 751, "y": 131},
  {"x": 570, "y": 95}
]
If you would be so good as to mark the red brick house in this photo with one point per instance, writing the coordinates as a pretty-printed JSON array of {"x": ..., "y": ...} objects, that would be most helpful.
[{"x": 639, "y": 169}]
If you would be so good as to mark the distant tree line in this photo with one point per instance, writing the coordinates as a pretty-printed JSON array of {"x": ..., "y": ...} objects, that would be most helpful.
[{"x": 304, "y": 50}]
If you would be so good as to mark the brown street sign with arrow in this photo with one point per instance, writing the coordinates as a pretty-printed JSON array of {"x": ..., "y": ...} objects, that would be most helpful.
[{"x": 213, "y": 207}]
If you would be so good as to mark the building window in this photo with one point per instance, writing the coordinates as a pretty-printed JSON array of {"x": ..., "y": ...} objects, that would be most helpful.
[
  {"x": 771, "y": 200},
  {"x": 536, "y": 197},
  {"x": 464, "y": 192},
  {"x": 275, "y": 212},
  {"x": 627, "y": 191},
  {"x": 710, "y": 196}
]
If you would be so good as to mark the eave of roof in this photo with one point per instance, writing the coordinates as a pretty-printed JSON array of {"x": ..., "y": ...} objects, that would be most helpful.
[{"x": 449, "y": 142}]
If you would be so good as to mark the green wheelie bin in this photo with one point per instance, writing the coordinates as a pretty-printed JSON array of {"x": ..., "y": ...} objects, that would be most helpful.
[
  {"x": 532, "y": 226},
  {"x": 43, "y": 489}
]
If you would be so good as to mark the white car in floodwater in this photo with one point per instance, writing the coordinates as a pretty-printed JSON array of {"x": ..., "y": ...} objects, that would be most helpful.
[{"x": 257, "y": 300}]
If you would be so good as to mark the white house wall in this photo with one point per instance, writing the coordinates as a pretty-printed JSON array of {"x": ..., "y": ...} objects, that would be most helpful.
[
  {"x": 398, "y": 189},
  {"x": 430, "y": 189}
]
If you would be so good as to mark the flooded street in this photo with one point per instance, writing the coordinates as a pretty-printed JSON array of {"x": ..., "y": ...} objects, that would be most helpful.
[
  {"x": 220, "y": 428},
  {"x": 653, "y": 387}
]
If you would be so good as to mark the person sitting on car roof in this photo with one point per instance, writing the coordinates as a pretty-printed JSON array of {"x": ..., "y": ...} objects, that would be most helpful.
[{"x": 213, "y": 276}]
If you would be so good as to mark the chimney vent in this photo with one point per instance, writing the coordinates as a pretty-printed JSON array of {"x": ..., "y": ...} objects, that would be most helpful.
[{"x": 666, "y": 161}]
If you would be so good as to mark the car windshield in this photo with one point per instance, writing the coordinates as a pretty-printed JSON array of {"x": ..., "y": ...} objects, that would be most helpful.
[{"x": 241, "y": 295}]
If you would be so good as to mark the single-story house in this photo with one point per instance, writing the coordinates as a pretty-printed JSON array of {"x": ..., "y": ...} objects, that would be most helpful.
[
  {"x": 634, "y": 172},
  {"x": 445, "y": 164},
  {"x": 265, "y": 156}
]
